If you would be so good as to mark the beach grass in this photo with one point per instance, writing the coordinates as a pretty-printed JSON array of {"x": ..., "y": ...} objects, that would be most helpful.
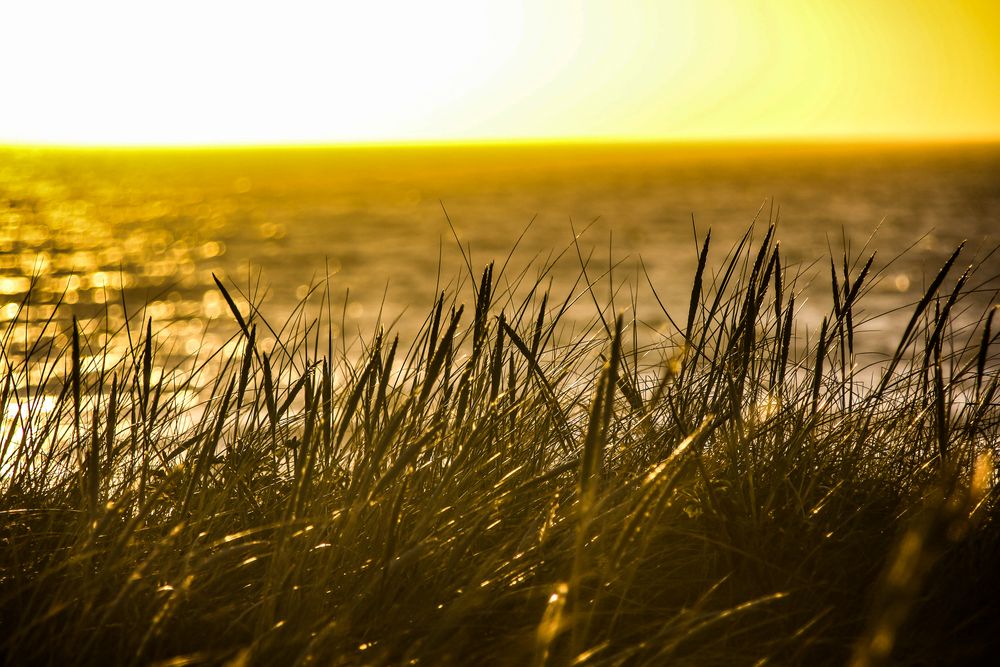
[{"x": 502, "y": 488}]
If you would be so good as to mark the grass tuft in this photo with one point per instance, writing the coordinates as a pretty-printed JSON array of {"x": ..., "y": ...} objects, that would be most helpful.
[{"x": 515, "y": 489}]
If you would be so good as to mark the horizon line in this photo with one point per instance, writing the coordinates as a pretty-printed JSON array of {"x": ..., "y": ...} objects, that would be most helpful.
[{"x": 860, "y": 139}]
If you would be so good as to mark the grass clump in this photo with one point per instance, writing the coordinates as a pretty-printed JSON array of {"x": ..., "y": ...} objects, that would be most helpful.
[{"x": 501, "y": 491}]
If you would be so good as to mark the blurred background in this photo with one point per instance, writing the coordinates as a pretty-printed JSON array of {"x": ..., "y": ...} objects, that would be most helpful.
[{"x": 144, "y": 231}]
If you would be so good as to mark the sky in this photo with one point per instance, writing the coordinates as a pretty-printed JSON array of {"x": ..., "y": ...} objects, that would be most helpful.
[{"x": 215, "y": 72}]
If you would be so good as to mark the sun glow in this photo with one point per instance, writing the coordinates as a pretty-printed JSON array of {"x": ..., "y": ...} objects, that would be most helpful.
[{"x": 118, "y": 72}]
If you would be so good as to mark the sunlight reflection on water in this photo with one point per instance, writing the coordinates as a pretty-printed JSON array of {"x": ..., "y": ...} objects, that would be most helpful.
[{"x": 143, "y": 232}]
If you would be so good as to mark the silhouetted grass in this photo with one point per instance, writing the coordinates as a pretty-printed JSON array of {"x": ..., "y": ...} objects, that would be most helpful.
[{"x": 501, "y": 492}]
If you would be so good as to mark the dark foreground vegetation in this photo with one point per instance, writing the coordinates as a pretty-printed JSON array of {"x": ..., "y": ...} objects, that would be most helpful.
[{"x": 506, "y": 491}]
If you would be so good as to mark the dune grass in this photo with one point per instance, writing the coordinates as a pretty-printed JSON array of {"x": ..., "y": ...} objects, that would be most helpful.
[{"x": 502, "y": 490}]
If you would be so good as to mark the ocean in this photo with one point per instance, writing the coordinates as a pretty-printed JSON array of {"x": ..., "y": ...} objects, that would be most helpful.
[{"x": 143, "y": 231}]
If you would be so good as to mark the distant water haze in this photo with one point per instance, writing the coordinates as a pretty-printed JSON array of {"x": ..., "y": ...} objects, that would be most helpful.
[{"x": 157, "y": 224}]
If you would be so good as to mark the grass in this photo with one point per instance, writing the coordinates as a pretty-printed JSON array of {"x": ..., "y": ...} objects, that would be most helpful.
[{"x": 504, "y": 490}]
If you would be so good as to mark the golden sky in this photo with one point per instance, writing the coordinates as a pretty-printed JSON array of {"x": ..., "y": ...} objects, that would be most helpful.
[{"x": 139, "y": 72}]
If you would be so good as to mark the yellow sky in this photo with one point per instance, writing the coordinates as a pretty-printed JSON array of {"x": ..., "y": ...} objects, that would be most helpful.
[{"x": 220, "y": 72}]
